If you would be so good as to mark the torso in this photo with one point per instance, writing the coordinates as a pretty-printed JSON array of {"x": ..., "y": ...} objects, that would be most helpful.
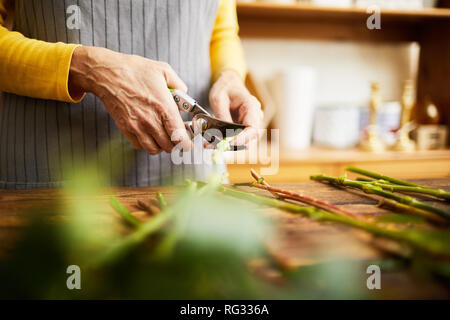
[{"x": 39, "y": 137}]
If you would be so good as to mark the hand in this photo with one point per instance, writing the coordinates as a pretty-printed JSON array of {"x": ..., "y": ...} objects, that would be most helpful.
[
  {"x": 135, "y": 92},
  {"x": 231, "y": 101}
]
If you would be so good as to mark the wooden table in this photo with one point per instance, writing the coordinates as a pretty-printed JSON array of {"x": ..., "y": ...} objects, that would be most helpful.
[{"x": 301, "y": 241}]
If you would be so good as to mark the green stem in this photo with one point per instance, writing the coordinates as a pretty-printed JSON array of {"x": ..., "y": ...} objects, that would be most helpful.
[
  {"x": 121, "y": 247},
  {"x": 401, "y": 207},
  {"x": 435, "y": 192},
  {"x": 161, "y": 201},
  {"x": 379, "y": 176},
  {"x": 432, "y": 192},
  {"x": 120, "y": 209},
  {"x": 364, "y": 179},
  {"x": 372, "y": 189},
  {"x": 167, "y": 245},
  {"x": 420, "y": 239}
]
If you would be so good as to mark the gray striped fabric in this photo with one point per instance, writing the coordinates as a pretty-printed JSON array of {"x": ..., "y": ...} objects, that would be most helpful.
[{"x": 41, "y": 139}]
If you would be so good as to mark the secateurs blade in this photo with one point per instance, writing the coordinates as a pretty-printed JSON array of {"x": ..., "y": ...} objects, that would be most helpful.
[{"x": 212, "y": 129}]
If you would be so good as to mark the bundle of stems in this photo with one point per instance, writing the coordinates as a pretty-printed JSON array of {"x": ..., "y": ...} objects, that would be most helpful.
[
  {"x": 428, "y": 241},
  {"x": 394, "y": 184},
  {"x": 261, "y": 183},
  {"x": 374, "y": 189}
]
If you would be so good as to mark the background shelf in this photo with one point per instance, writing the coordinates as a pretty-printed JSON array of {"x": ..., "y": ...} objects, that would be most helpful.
[
  {"x": 429, "y": 27},
  {"x": 312, "y": 22}
]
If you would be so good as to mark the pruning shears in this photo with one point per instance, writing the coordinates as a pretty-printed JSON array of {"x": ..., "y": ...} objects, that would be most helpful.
[{"x": 211, "y": 128}]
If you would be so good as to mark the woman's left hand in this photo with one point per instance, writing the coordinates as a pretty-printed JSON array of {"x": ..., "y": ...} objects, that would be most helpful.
[{"x": 231, "y": 101}]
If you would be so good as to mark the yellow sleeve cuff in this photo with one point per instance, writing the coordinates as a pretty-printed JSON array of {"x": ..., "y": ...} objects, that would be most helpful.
[
  {"x": 34, "y": 68},
  {"x": 63, "y": 71}
]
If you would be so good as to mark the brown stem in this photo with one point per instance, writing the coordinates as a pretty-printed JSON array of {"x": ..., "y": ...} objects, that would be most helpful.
[
  {"x": 262, "y": 184},
  {"x": 260, "y": 180}
]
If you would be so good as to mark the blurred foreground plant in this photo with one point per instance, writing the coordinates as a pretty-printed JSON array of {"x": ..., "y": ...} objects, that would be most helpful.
[{"x": 200, "y": 246}]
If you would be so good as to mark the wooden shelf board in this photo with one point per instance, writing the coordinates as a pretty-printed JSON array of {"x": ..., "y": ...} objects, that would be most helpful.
[
  {"x": 312, "y": 22},
  {"x": 324, "y": 155},
  {"x": 298, "y": 166},
  {"x": 304, "y": 10}
]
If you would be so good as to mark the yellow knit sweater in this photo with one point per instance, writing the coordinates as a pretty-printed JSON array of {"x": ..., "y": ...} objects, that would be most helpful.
[{"x": 39, "y": 69}]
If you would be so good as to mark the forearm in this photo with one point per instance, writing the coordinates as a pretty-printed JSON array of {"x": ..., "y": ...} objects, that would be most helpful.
[{"x": 225, "y": 47}]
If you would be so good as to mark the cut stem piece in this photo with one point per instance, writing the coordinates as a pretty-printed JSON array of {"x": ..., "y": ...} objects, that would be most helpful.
[
  {"x": 417, "y": 188},
  {"x": 421, "y": 239},
  {"x": 161, "y": 201},
  {"x": 439, "y": 193},
  {"x": 372, "y": 189},
  {"x": 308, "y": 200},
  {"x": 285, "y": 194},
  {"x": 120, "y": 209},
  {"x": 401, "y": 207},
  {"x": 380, "y": 176}
]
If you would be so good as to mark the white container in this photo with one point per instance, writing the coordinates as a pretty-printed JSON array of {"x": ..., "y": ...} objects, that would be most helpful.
[
  {"x": 388, "y": 120},
  {"x": 337, "y": 126},
  {"x": 294, "y": 93}
]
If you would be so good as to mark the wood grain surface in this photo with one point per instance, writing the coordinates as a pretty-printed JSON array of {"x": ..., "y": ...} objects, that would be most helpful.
[{"x": 300, "y": 240}]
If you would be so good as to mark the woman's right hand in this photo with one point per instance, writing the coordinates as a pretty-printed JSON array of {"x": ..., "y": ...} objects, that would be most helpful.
[{"x": 135, "y": 92}]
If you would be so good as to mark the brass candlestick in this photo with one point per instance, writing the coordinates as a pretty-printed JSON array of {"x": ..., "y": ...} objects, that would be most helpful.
[
  {"x": 372, "y": 143},
  {"x": 404, "y": 143}
]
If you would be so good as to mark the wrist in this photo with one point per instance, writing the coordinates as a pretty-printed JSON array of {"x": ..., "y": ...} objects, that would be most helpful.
[
  {"x": 81, "y": 78},
  {"x": 230, "y": 75}
]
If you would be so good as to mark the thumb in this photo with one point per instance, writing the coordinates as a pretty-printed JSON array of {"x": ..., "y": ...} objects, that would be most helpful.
[{"x": 173, "y": 80}]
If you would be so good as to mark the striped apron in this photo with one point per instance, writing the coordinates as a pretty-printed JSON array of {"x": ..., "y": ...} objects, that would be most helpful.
[{"x": 40, "y": 140}]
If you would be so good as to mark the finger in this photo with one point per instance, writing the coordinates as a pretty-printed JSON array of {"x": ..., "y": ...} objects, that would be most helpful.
[
  {"x": 159, "y": 135},
  {"x": 127, "y": 129},
  {"x": 251, "y": 116},
  {"x": 183, "y": 145},
  {"x": 220, "y": 104},
  {"x": 245, "y": 137},
  {"x": 172, "y": 79},
  {"x": 173, "y": 123},
  {"x": 148, "y": 144},
  {"x": 133, "y": 140},
  {"x": 250, "y": 113}
]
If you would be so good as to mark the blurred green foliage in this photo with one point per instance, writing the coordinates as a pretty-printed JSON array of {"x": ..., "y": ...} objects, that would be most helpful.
[
  {"x": 199, "y": 247},
  {"x": 203, "y": 252}
]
